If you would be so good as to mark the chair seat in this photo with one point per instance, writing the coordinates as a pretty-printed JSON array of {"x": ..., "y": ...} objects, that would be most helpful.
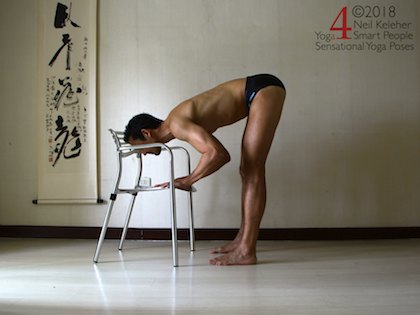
[
  {"x": 146, "y": 188},
  {"x": 141, "y": 188}
]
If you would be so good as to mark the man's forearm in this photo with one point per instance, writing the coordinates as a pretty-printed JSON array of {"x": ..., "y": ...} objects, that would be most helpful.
[{"x": 208, "y": 164}]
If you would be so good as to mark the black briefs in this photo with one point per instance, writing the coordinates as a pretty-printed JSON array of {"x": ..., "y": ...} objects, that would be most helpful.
[{"x": 257, "y": 82}]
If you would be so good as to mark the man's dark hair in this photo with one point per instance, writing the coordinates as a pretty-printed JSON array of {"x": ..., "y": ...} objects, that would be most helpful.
[{"x": 139, "y": 122}]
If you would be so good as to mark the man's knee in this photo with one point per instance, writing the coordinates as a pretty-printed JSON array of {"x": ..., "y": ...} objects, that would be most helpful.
[{"x": 250, "y": 171}]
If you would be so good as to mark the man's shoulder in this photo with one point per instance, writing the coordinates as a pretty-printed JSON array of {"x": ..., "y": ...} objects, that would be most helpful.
[
  {"x": 182, "y": 112},
  {"x": 176, "y": 120}
]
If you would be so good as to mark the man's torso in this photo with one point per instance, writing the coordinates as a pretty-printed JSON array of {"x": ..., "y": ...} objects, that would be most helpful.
[{"x": 215, "y": 108}]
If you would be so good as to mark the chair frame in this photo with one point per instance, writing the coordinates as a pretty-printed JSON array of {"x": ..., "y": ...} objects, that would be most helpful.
[{"x": 124, "y": 150}]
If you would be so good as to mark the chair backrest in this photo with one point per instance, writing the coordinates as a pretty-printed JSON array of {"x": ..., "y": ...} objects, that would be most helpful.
[
  {"x": 118, "y": 137},
  {"x": 123, "y": 147}
]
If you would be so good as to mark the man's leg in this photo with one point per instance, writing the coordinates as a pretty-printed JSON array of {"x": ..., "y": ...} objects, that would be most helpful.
[{"x": 263, "y": 119}]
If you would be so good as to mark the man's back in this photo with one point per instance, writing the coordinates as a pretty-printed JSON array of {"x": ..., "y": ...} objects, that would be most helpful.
[{"x": 215, "y": 108}]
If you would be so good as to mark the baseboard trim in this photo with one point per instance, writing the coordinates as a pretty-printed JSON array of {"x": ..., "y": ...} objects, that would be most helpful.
[{"x": 16, "y": 231}]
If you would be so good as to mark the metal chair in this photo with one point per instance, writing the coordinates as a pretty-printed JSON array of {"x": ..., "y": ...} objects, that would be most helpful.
[{"x": 124, "y": 150}]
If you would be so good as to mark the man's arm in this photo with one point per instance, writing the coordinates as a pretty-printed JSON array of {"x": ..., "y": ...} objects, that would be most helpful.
[{"x": 213, "y": 153}]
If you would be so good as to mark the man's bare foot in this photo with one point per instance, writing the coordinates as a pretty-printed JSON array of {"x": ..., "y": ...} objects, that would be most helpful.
[
  {"x": 225, "y": 248},
  {"x": 234, "y": 258}
]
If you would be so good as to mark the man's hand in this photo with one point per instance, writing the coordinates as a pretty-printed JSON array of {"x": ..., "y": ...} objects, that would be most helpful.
[{"x": 180, "y": 183}]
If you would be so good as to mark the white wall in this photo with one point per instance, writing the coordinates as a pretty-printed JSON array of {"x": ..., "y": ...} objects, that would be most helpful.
[{"x": 346, "y": 151}]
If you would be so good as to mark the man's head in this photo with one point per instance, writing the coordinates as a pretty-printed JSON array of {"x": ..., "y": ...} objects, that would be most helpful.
[
  {"x": 138, "y": 131},
  {"x": 136, "y": 126}
]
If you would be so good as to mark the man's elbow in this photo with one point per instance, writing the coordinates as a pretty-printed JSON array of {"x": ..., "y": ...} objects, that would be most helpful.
[{"x": 222, "y": 157}]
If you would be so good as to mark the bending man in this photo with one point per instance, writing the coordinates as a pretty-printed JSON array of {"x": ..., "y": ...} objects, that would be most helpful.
[{"x": 260, "y": 98}]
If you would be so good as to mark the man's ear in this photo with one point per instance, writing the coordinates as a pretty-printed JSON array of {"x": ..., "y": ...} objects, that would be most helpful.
[{"x": 146, "y": 133}]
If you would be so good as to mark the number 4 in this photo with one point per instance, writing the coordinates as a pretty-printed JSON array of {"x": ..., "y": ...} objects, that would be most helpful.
[{"x": 343, "y": 28}]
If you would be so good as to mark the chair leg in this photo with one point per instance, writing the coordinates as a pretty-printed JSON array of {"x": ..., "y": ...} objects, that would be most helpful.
[
  {"x": 191, "y": 217},
  {"x": 174, "y": 228},
  {"x": 127, "y": 221},
  {"x": 103, "y": 230}
]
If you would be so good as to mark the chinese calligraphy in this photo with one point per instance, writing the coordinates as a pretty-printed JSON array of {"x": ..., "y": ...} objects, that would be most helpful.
[
  {"x": 66, "y": 42},
  {"x": 70, "y": 146},
  {"x": 61, "y": 16},
  {"x": 66, "y": 90}
]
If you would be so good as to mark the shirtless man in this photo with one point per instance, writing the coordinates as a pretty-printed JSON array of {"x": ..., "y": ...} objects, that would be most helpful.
[{"x": 260, "y": 98}]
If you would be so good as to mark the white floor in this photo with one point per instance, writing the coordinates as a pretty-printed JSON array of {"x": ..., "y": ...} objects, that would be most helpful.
[{"x": 321, "y": 278}]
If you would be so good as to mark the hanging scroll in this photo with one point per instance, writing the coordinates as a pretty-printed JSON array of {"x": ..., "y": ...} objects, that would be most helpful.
[{"x": 67, "y": 155}]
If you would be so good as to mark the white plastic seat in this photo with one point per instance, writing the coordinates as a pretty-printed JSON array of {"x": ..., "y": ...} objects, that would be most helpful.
[{"x": 124, "y": 150}]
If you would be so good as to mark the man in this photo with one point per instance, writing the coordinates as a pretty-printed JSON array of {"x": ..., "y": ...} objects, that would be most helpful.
[{"x": 260, "y": 98}]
